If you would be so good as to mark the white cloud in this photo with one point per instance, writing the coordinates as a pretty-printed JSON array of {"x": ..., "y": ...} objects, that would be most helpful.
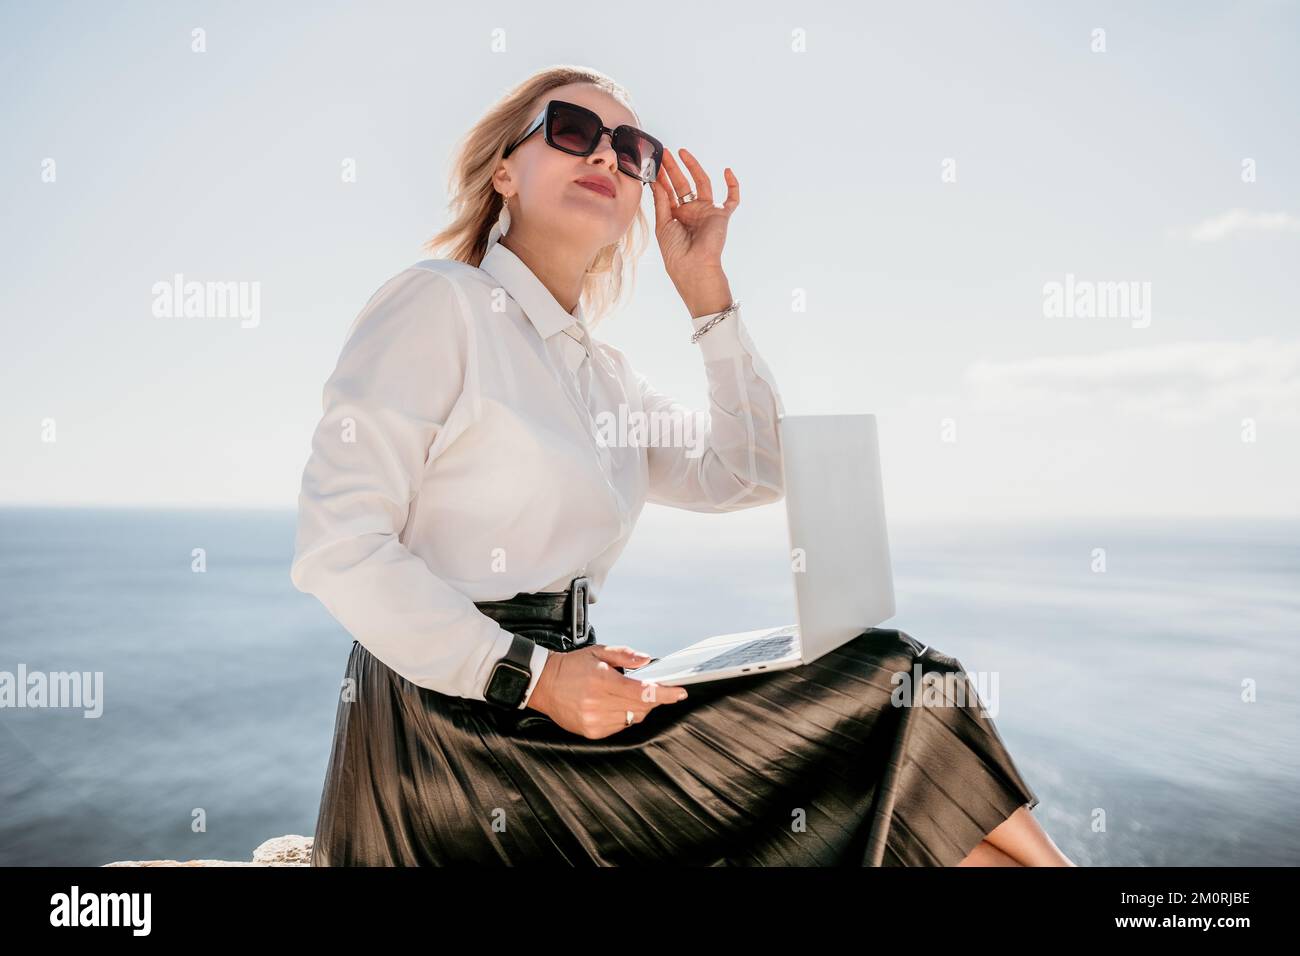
[
  {"x": 1240, "y": 220},
  {"x": 1183, "y": 382}
]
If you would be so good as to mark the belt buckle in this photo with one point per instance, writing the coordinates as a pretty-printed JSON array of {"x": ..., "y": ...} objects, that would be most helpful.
[{"x": 579, "y": 592}]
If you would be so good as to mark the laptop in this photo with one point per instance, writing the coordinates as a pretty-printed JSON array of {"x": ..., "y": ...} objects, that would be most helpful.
[{"x": 839, "y": 557}]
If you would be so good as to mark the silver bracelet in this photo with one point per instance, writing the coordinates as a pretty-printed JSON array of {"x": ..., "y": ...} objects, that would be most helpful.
[{"x": 714, "y": 321}]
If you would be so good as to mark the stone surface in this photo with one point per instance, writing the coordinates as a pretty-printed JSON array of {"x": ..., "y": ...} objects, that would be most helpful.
[{"x": 290, "y": 850}]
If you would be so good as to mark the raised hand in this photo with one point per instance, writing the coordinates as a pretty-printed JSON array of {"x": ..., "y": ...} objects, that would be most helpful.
[{"x": 691, "y": 234}]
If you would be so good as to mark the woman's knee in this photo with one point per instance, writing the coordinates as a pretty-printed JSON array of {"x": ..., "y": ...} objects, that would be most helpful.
[
  {"x": 918, "y": 647},
  {"x": 929, "y": 660},
  {"x": 898, "y": 642}
]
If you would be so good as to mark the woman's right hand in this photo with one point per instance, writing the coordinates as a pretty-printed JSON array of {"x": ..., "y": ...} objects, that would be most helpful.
[{"x": 583, "y": 693}]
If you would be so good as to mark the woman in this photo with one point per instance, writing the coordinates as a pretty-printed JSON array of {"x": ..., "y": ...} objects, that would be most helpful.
[{"x": 463, "y": 503}]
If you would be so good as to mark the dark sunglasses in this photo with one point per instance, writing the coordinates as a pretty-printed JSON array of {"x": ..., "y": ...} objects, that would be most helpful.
[{"x": 577, "y": 130}]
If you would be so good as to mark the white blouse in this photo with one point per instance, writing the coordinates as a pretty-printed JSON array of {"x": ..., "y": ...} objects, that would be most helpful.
[{"x": 471, "y": 450}]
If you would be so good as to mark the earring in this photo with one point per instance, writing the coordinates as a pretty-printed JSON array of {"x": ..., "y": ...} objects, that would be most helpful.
[
  {"x": 615, "y": 262},
  {"x": 502, "y": 225}
]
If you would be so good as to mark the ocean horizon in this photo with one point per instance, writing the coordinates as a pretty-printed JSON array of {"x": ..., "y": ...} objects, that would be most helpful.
[{"x": 1153, "y": 706}]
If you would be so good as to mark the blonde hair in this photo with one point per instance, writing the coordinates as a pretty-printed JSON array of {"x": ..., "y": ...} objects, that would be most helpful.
[{"x": 475, "y": 204}]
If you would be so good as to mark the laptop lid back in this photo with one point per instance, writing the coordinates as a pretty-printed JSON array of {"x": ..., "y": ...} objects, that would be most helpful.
[{"x": 835, "y": 513}]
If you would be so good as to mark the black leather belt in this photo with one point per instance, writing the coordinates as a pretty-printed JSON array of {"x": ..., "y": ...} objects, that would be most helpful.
[
  {"x": 579, "y": 599},
  {"x": 555, "y": 619}
]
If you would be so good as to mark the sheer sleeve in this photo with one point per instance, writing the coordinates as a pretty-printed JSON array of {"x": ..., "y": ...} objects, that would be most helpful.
[
  {"x": 729, "y": 457},
  {"x": 401, "y": 375}
]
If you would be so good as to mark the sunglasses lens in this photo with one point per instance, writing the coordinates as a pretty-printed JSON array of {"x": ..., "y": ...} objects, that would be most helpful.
[
  {"x": 636, "y": 155},
  {"x": 573, "y": 129}
]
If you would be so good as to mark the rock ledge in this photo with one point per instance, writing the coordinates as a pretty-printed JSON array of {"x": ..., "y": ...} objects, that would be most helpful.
[{"x": 289, "y": 850}]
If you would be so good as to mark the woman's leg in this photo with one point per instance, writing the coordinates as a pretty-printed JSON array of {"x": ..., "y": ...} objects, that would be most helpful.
[
  {"x": 985, "y": 854},
  {"x": 1020, "y": 837}
]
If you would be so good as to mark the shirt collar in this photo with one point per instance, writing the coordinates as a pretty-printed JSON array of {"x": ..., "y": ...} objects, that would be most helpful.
[{"x": 541, "y": 307}]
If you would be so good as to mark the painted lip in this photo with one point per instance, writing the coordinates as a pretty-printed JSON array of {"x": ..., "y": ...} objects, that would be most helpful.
[{"x": 598, "y": 183}]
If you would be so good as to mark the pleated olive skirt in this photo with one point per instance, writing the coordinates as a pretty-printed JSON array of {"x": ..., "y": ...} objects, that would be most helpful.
[{"x": 819, "y": 765}]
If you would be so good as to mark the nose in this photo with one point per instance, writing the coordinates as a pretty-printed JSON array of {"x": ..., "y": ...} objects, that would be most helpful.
[{"x": 605, "y": 149}]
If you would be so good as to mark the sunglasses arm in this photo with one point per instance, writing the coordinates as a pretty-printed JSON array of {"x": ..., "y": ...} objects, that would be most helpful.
[{"x": 533, "y": 128}]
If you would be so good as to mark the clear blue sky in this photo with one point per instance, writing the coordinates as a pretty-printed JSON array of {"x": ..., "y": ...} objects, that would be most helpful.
[{"x": 924, "y": 297}]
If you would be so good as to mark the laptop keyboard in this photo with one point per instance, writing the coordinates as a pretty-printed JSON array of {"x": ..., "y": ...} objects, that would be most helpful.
[{"x": 776, "y": 645}]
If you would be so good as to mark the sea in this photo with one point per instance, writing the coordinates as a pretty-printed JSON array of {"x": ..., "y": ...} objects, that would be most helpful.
[{"x": 1142, "y": 673}]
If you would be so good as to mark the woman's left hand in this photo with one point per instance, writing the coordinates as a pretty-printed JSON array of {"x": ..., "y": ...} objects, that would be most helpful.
[{"x": 691, "y": 235}]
